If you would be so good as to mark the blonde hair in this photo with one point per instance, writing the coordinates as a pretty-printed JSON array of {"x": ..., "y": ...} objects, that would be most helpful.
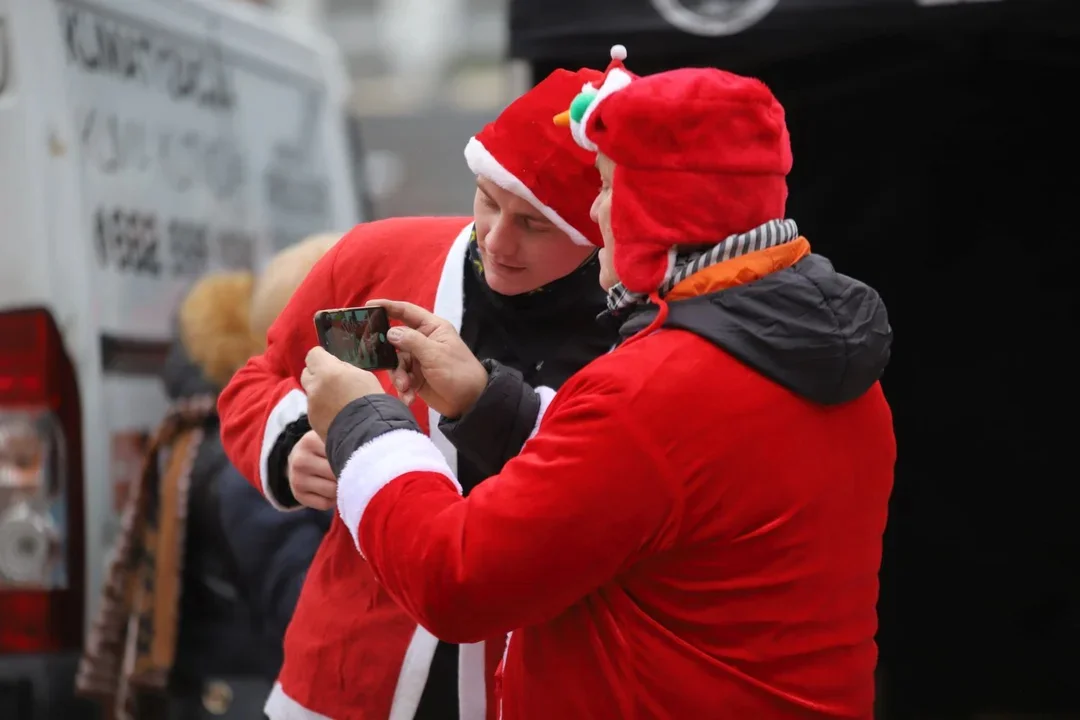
[
  {"x": 214, "y": 324},
  {"x": 224, "y": 317},
  {"x": 277, "y": 283}
]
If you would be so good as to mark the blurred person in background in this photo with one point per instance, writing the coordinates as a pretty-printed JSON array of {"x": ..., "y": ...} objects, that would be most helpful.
[
  {"x": 518, "y": 279},
  {"x": 694, "y": 527},
  {"x": 242, "y": 563}
]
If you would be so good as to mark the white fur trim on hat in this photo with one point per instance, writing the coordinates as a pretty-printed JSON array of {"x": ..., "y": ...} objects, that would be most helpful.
[
  {"x": 615, "y": 81},
  {"x": 483, "y": 163}
]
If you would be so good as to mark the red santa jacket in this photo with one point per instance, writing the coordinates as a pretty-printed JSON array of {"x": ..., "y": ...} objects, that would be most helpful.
[
  {"x": 694, "y": 531},
  {"x": 350, "y": 652}
]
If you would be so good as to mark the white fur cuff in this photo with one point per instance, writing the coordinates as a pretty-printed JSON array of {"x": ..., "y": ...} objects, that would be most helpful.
[
  {"x": 546, "y": 396},
  {"x": 378, "y": 463},
  {"x": 287, "y": 411}
]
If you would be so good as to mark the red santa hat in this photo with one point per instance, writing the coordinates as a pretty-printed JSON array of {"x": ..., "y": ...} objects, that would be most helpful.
[
  {"x": 523, "y": 152},
  {"x": 700, "y": 154}
]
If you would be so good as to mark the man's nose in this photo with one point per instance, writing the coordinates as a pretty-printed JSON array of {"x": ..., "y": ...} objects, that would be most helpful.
[
  {"x": 594, "y": 210},
  {"x": 502, "y": 238}
]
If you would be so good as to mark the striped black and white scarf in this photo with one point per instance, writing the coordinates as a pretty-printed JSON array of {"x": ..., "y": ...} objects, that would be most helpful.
[{"x": 771, "y": 234}]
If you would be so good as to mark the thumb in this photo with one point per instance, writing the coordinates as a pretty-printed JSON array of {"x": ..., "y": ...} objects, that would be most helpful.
[{"x": 413, "y": 342}]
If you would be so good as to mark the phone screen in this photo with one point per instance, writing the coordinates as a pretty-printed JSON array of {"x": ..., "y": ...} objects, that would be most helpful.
[{"x": 357, "y": 336}]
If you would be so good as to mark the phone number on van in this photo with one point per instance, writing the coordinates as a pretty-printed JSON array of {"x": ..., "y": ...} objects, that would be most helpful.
[{"x": 131, "y": 242}]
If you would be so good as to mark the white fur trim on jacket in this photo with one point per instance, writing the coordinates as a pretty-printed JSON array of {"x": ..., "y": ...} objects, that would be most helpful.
[
  {"x": 414, "y": 674},
  {"x": 450, "y": 306},
  {"x": 546, "y": 395},
  {"x": 472, "y": 681},
  {"x": 376, "y": 464},
  {"x": 287, "y": 411},
  {"x": 483, "y": 163},
  {"x": 280, "y": 706},
  {"x": 502, "y": 665}
]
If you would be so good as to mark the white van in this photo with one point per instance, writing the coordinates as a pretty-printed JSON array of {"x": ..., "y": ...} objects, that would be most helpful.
[{"x": 142, "y": 143}]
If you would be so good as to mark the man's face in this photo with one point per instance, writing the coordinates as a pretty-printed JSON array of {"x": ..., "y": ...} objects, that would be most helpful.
[
  {"x": 521, "y": 249},
  {"x": 601, "y": 215}
]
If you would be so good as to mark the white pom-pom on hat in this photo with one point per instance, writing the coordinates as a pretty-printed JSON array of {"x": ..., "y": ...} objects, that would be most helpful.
[{"x": 618, "y": 52}]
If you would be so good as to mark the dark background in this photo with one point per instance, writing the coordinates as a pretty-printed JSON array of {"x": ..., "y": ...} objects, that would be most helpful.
[{"x": 936, "y": 157}]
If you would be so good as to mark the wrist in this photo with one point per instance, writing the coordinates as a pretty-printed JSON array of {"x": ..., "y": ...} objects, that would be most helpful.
[{"x": 477, "y": 382}]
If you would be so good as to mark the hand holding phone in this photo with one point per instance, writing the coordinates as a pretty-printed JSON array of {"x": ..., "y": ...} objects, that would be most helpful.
[
  {"x": 357, "y": 335},
  {"x": 438, "y": 366}
]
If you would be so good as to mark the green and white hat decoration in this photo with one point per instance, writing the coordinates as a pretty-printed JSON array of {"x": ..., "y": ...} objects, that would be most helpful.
[{"x": 585, "y": 103}]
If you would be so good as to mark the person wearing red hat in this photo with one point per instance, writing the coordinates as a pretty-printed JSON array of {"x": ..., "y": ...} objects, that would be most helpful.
[
  {"x": 694, "y": 527},
  {"x": 518, "y": 281}
]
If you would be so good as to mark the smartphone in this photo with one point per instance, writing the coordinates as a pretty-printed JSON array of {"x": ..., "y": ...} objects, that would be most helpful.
[{"x": 357, "y": 335}]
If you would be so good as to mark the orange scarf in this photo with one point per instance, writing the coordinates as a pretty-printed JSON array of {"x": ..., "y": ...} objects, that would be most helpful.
[{"x": 741, "y": 270}]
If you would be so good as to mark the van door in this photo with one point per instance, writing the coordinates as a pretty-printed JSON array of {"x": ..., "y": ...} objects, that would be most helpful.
[{"x": 196, "y": 155}]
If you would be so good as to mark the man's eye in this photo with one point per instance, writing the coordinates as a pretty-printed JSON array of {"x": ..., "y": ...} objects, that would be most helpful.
[{"x": 534, "y": 225}]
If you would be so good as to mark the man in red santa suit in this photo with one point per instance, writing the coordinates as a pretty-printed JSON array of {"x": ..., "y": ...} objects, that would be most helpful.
[
  {"x": 694, "y": 529},
  {"x": 518, "y": 281}
]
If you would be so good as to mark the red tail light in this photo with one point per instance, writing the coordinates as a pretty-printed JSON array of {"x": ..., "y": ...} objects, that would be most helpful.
[{"x": 41, "y": 488}]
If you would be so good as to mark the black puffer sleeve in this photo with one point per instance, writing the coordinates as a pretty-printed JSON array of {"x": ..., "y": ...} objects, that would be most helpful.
[
  {"x": 360, "y": 422},
  {"x": 497, "y": 426}
]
